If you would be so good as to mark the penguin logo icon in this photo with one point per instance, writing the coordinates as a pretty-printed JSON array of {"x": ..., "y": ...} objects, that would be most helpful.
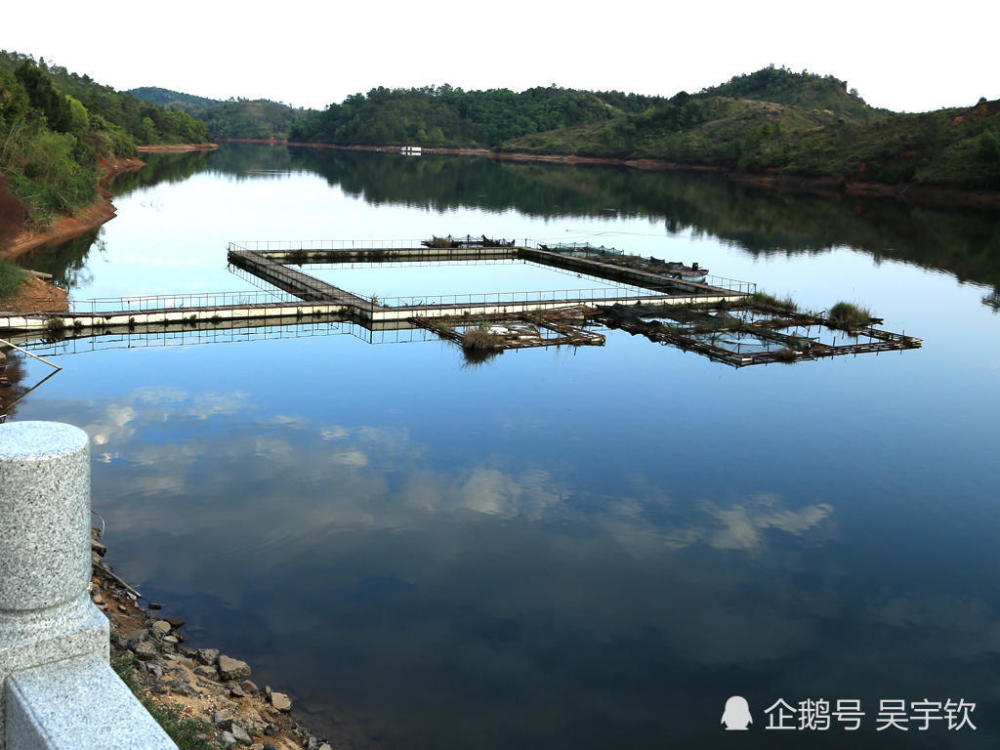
[{"x": 736, "y": 715}]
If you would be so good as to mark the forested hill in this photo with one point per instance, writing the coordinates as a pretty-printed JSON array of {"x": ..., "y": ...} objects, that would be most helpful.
[
  {"x": 777, "y": 122},
  {"x": 446, "y": 116},
  {"x": 806, "y": 90},
  {"x": 57, "y": 128},
  {"x": 144, "y": 122},
  {"x": 189, "y": 103},
  {"x": 234, "y": 118}
]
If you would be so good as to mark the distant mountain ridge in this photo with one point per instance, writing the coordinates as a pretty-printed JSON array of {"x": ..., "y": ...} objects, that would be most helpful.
[
  {"x": 776, "y": 122},
  {"x": 772, "y": 121},
  {"x": 178, "y": 100},
  {"x": 233, "y": 118}
]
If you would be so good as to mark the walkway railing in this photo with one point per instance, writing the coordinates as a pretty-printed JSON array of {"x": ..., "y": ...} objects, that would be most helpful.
[
  {"x": 733, "y": 285},
  {"x": 148, "y": 303}
]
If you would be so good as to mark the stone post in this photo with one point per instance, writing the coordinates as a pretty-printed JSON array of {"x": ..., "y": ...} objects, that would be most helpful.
[{"x": 46, "y": 614}]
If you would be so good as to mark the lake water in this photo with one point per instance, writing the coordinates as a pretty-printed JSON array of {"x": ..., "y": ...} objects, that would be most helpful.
[{"x": 557, "y": 548}]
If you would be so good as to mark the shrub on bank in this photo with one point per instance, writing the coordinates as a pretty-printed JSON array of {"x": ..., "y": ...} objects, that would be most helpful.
[{"x": 11, "y": 278}]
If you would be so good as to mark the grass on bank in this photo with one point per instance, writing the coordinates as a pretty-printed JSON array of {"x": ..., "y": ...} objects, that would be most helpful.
[
  {"x": 11, "y": 278},
  {"x": 185, "y": 732}
]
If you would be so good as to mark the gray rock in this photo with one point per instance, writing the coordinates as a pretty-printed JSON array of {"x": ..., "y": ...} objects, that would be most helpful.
[
  {"x": 170, "y": 639},
  {"x": 161, "y": 627},
  {"x": 250, "y": 686},
  {"x": 237, "y": 692},
  {"x": 281, "y": 701},
  {"x": 155, "y": 669},
  {"x": 180, "y": 687},
  {"x": 203, "y": 670},
  {"x": 175, "y": 622},
  {"x": 208, "y": 655},
  {"x": 227, "y": 739},
  {"x": 232, "y": 669},
  {"x": 271, "y": 729},
  {"x": 145, "y": 651},
  {"x": 222, "y": 719},
  {"x": 241, "y": 735},
  {"x": 325, "y": 746}
]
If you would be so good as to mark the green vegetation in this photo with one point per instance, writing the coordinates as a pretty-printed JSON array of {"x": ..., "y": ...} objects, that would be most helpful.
[
  {"x": 54, "y": 327},
  {"x": 186, "y": 733},
  {"x": 11, "y": 277},
  {"x": 446, "y": 116},
  {"x": 782, "y": 86},
  {"x": 848, "y": 317},
  {"x": 778, "y": 122},
  {"x": 480, "y": 339},
  {"x": 765, "y": 301},
  {"x": 235, "y": 118},
  {"x": 57, "y": 130},
  {"x": 772, "y": 121}
]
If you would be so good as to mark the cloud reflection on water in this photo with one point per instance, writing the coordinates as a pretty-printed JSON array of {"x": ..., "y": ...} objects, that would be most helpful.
[{"x": 386, "y": 554}]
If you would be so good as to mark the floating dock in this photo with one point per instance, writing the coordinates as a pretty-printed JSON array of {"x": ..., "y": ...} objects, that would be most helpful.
[
  {"x": 646, "y": 299},
  {"x": 298, "y": 294}
]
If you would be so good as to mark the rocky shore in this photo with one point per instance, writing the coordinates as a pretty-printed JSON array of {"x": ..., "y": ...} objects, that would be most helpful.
[{"x": 204, "y": 684}]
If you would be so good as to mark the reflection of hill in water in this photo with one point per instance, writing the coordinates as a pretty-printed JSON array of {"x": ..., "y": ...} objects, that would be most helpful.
[
  {"x": 161, "y": 168},
  {"x": 965, "y": 242}
]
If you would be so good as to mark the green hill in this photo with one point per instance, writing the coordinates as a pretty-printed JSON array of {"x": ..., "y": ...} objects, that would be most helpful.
[
  {"x": 806, "y": 90},
  {"x": 189, "y": 103},
  {"x": 58, "y": 128},
  {"x": 235, "y": 118},
  {"x": 446, "y": 116},
  {"x": 778, "y": 122}
]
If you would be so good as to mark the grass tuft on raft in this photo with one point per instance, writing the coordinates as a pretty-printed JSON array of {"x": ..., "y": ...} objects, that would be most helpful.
[{"x": 847, "y": 316}]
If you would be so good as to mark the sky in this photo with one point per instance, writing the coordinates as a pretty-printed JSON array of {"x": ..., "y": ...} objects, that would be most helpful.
[{"x": 903, "y": 56}]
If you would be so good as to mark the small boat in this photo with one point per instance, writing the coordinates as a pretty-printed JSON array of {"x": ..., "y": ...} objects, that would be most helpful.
[{"x": 694, "y": 272}]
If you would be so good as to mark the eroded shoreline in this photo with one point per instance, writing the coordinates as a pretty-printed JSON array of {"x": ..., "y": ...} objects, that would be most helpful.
[{"x": 63, "y": 228}]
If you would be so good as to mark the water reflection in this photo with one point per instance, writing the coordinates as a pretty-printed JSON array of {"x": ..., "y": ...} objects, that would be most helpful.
[
  {"x": 435, "y": 578},
  {"x": 965, "y": 242},
  {"x": 568, "y": 549}
]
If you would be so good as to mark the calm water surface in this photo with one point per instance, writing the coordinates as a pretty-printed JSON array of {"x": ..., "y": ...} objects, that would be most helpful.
[{"x": 559, "y": 548}]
